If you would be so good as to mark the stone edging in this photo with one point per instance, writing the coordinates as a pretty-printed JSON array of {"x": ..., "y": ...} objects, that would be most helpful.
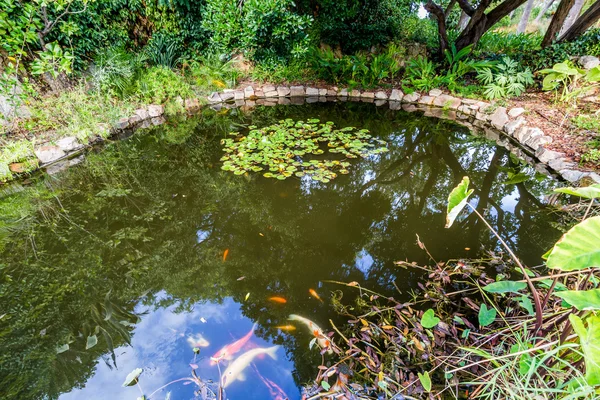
[
  {"x": 472, "y": 113},
  {"x": 497, "y": 122}
]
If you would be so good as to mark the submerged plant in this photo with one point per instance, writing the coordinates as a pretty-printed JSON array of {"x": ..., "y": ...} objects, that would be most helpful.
[{"x": 283, "y": 149}]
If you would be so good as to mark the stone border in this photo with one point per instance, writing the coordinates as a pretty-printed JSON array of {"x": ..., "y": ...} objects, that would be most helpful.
[
  {"x": 495, "y": 121},
  {"x": 471, "y": 113}
]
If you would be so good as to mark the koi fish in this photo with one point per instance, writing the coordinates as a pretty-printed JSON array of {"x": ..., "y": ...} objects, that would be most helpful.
[
  {"x": 286, "y": 327},
  {"x": 323, "y": 341},
  {"x": 275, "y": 391},
  {"x": 197, "y": 340},
  {"x": 235, "y": 371},
  {"x": 278, "y": 299},
  {"x": 227, "y": 351},
  {"x": 314, "y": 294},
  {"x": 225, "y": 254}
]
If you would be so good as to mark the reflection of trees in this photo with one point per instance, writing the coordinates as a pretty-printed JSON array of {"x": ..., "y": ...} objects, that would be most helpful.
[{"x": 132, "y": 218}]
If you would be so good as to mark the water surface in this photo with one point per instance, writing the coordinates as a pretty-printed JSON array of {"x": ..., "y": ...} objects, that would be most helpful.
[{"x": 128, "y": 248}]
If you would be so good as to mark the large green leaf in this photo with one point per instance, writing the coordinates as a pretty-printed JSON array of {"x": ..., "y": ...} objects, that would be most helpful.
[
  {"x": 582, "y": 299},
  {"x": 593, "y": 75},
  {"x": 505, "y": 287},
  {"x": 429, "y": 320},
  {"x": 486, "y": 315},
  {"x": 425, "y": 380},
  {"x": 589, "y": 339},
  {"x": 589, "y": 192},
  {"x": 457, "y": 200},
  {"x": 579, "y": 248}
]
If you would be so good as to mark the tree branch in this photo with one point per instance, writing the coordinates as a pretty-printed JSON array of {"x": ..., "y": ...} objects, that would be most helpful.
[{"x": 466, "y": 7}]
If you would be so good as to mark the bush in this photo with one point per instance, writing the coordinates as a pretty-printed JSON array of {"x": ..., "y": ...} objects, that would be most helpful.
[
  {"x": 159, "y": 85},
  {"x": 114, "y": 71},
  {"x": 505, "y": 79},
  {"x": 214, "y": 72},
  {"x": 164, "y": 49}
]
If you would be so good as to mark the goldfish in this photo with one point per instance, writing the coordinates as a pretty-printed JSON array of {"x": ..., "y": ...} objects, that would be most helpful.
[
  {"x": 323, "y": 341},
  {"x": 197, "y": 341},
  {"x": 235, "y": 371},
  {"x": 225, "y": 254},
  {"x": 286, "y": 327},
  {"x": 227, "y": 351},
  {"x": 278, "y": 299},
  {"x": 314, "y": 294},
  {"x": 275, "y": 391}
]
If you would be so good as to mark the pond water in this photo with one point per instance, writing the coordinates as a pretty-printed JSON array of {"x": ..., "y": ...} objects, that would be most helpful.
[{"x": 148, "y": 249}]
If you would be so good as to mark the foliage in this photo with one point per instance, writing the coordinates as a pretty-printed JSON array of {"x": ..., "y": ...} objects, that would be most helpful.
[
  {"x": 214, "y": 72},
  {"x": 164, "y": 50},
  {"x": 114, "y": 71},
  {"x": 284, "y": 149},
  {"x": 53, "y": 60},
  {"x": 513, "y": 45},
  {"x": 504, "y": 79},
  {"x": 159, "y": 85},
  {"x": 572, "y": 80},
  {"x": 420, "y": 73},
  {"x": 588, "y": 122}
]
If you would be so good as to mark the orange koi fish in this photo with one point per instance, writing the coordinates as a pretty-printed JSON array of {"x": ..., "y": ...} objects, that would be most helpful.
[
  {"x": 322, "y": 340},
  {"x": 278, "y": 299},
  {"x": 225, "y": 254},
  {"x": 227, "y": 352},
  {"x": 286, "y": 328},
  {"x": 314, "y": 294},
  {"x": 275, "y": 391}
]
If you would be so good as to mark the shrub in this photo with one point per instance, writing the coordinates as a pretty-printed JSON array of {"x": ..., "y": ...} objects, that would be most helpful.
[
  {"x": 505, "y": 79},
  {"x": 159, "y": 85},
  {"x": 214, "y": 72},
  {"x": 164, "y": 49},
  {"x": 114, "y": 71},
  {"x": 572, "y": 80}
]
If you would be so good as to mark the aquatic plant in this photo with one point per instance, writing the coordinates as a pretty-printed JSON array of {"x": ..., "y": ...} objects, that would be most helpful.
[{"x": 284, "y": 149}]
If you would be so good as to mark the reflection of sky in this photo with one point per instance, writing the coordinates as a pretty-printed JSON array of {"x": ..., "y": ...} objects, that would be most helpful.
[
  {"x": 160, "y": 347},
  {"x": 363, "y": 262}
]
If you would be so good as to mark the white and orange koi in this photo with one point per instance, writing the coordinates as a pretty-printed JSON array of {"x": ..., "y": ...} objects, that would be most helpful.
[
  {"x": 227, "y": 351},
  {"x": 235, "y": 371},
  {"x": 323, "y": 341}
]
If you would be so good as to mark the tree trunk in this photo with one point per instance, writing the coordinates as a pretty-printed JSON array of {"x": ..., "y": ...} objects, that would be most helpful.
[
  {"x": 439, "y": 14},
  {"x": 543, "y": 11},
  {"x": 480, "y": 22},
  {"x": 525, "y": 17},
  {"x": 573, "y": 15},
  {"x": 557, "y": 22},
  {"x": 463, "y": 21},
  {"x": 587, "y": 19}
]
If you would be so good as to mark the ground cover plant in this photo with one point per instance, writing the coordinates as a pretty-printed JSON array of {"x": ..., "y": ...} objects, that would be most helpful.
[{"x": 285, "y": 150}]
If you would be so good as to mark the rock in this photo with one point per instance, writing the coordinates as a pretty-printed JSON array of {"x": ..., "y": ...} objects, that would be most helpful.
[
  {"x": 447, "y": 101},
  {"x": 271, "y": 93},
  {"x": 68, "y": 144},
  {"x": 155, "y": 110},
  {"x": 284, "y": 101},
  {"x": 18, "y": 168},
  {"x": 322, "y": 92},
  {"x": 512, "y": 126},
  {"x": 343, "y": 93},
  {"x": 411, "y": 97},
  {"x": 355, "y": 93},
  {"x": 381, "y": 95},
  {"x": 134, "y": 120},
  {"x": 516, "y": 112},
  {"x": 158, "y": 120},
  {"x": 536, "y": 141},
  {"x": 322, "y": 99},
  {"x": 571, "y": 175},
  {"x": 296, "y": 91},
  {"x": 312, "y": 99},
  {"x": 239, "y": 95},
  {"x": 192, "y": 104},
  {"x": 410, "y": 107},
  {"x": 379, "y": 102},
  {"x": 331, "y": 93},
  {"x": 427, "y": 100},
  {"x": 469, "y": 102},
  {"x": 395, "y": 105},
  {"x": 269, "y": 88},
  {"x": 215, "y": 98},
  {"x": 249, "y": 92},
  {"x": 216, "y": 107},
  {"x": 589, "y": 62},
  {"x": 47, "y": 154},
  {"x": 545, "y": 155},
  {"x": 312, "y": 91},
  {"x": 142, "y": 113},
  {"x": 525, "y": 135},
  {"x": 226, "y": 96},
  {"x": 259, "y": 94},
  {"x": 558, "y": 164},
  {"x": 396, "y": 95},
  {"x": 595, "y": 177},
  {"x": 297, "y": 100},
  {"x": 123, "y": 123},
  {"x": 250, "y": 104},
  {"x": 435, "y": 92},
  {"x": 283, "y": 91},
  {"x": 465, "y": 110},
  {"x": 499, "y": 118},
  {"x": 367, "y": 95}
]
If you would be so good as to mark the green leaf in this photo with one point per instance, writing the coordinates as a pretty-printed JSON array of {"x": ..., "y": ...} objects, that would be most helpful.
[
  {"x": 505, "y": 287},
  {"x": 582, "y": 299},
  {"x": 457, "y": 200},
  {"x": 62, "y": 348},
  {"x": 425, "y": 380},
  {"x": 579, "y": 248},
  {"x": 91, "y": 342},
  {"x": 486, "y": 316},
  {"x": 429, "y": 320},
  {"x": 132, "y": 378},
  {"x": 526, "y": 303},
  {"x": 589, "y": 339},
  {"x": 588, "y": 192},
  {"x": 325, "y": 385}
]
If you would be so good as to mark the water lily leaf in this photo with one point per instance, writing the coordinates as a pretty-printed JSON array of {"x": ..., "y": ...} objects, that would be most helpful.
[
  {"x": 579, "y": 248},
  {"x": 132, "y": 378},
  {"x": 91, "y": 341},
  {"x": 505, "y": 287},
  {"x": 588, "y": 192},
  {"x": 425, "y": 380},
  {"x": 429, "y": 320},
  {"x": 581, "y": 299},
  {"x": 457, "y": 200},
  {"x": 486, "y": 315},
  {"x": 589, "y": 339}
]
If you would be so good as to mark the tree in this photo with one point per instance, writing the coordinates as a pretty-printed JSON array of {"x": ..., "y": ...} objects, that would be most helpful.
[
  {"x": 585, "y": 21},
  {"x": 557, "y": 21},
  {"x": 543, "y": 11},
  {"x": 525, "y": 17}
]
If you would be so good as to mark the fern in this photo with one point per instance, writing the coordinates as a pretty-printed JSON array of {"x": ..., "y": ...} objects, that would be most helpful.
[{"x": 504, "y": 79}]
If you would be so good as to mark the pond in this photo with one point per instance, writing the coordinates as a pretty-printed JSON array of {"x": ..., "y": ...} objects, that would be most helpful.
[{"x": 147, "y": 249}]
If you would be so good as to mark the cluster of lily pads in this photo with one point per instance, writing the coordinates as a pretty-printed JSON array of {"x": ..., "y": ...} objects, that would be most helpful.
[{"x": 292, "y": 148}]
